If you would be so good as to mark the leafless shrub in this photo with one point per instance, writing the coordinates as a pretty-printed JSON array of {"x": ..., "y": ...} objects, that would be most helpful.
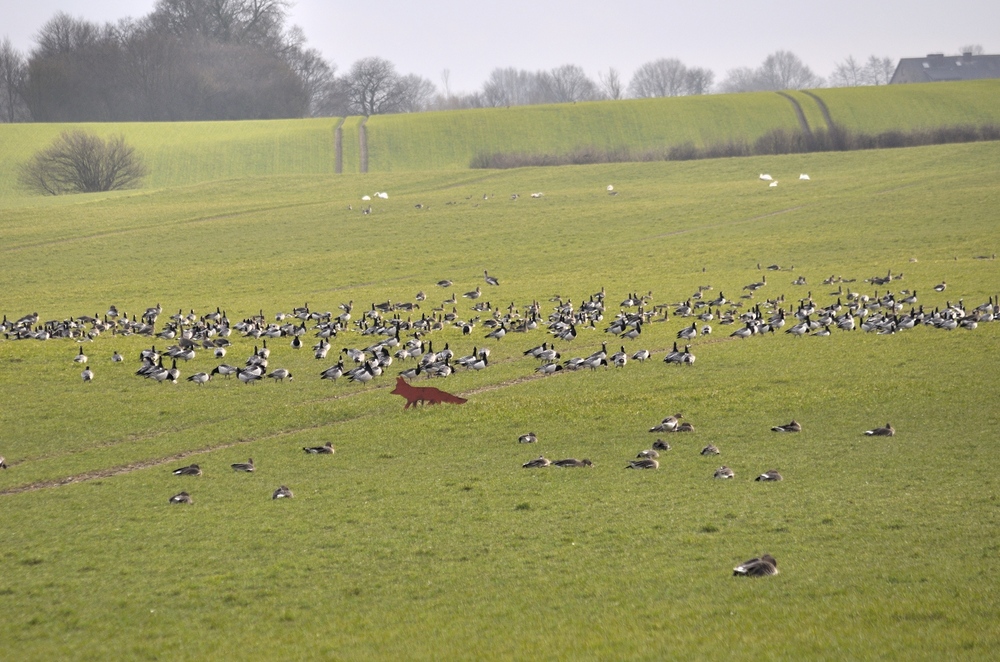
[{"x": 80, "y": 162}]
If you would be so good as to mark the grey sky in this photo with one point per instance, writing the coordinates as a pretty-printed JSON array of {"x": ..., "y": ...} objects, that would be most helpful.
[{"x": 472, "y": 38}]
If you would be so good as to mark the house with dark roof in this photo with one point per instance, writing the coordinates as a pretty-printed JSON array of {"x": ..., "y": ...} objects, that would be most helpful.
[{"x": 938, "y": 66}]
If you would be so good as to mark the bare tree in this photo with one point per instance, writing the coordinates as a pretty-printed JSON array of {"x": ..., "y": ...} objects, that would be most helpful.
[
  {"x": 698, "y": 80},
  {"x": 509, "y": 87},
  {"x": 975, "y": 49},
  {"x": 372, "y": 86},
  {"x": 79, "y": 162},
  {"x": 878, "y": 70},
  {"x": 783, "y": 70},
  {"x": 13, "y": 69},
  {"x": 660, "y": 78},
  {"x": 849, "y": 73},
  {"x": 741, "y": 79},
  {"x": 413, "y": 93},
  {"x": 610, "y": 84},
  {"x": 567, "y": 84}
]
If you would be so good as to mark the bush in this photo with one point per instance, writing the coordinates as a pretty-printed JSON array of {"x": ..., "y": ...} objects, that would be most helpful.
[{"x": 79, "y": 162}]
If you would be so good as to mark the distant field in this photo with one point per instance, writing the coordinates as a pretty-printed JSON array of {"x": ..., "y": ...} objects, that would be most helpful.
[{"x": 422, "y": 537}]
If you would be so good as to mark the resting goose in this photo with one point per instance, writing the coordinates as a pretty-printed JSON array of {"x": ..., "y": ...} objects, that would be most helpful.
[
  {"x": 326, "y": 449},
  {"x": 794, "y": 426},
  {"x": 661, "y": 445},
  {"x": 191, "y": 470},
  {"x": 648, "y": 453},
  {"x": 647, "y": 463},
  {"x": 770, "y": 475},
  {"x": 537, "y": 463},
  {"x": 529, "y": 438},
  {"x": 244, "y": 466},
  {"x": 282, "y": 493},
  {"x": 711, "y": 449},
  {"x": 887, "y": 431},
  {"x": 117, "y": 358},
  {"x": 669, "y": 424},
  {"x": 762, "y": 567},
  {"x": 724, "y": 472},
  {"x": 573, "y": 462},
  {"x": 3, "y": 462},
  {"x": 183, "y": 497}
]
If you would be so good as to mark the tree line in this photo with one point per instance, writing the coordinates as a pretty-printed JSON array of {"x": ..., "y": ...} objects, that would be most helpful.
[{"x": 239, "y": 59}]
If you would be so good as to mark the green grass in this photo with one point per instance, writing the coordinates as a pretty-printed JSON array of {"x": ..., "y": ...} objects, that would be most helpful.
[
  {"x": 917, "y": 106},
  {"x": 423, "y": 537}
]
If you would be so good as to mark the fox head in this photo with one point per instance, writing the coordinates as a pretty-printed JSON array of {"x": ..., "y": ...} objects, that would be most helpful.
[{"x": 401, "y": 386}]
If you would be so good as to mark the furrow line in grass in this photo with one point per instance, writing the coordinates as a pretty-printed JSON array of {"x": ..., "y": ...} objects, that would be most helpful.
[
  {"x": 155, "y": 462},
  {"x": 158, "y": 226},
  {"x": 701, "y": 228}
]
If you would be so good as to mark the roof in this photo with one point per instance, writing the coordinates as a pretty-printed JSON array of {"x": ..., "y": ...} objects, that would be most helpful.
[{"x": 937, "y": 67}]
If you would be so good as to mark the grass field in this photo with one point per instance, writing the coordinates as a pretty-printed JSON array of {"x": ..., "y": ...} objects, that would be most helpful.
[{"x": 422, "y": 537}]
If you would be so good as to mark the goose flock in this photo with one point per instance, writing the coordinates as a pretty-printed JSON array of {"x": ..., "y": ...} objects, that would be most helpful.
[{"x": 402, "y": 331}]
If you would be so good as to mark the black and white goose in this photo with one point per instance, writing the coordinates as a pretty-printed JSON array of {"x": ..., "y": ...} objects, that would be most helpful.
[
  {"x": 573, "y": 462},
  {"x": 199, "y": 378},
  {"x": 794, "y": 426},
  {"x": 280, "y": 375},
  {"x": 326, "y": 449},
  {"x": 182, "y": 497},
  {"x": 641, "y": 355},
  {"x": 190, "y": 470},
  {"x": 769, "y": 476},
  {"x": 117, "y": 358},
  {"x": 724, "y": 472},
  {"x": 333, "y": 372},
  {"x": 764, "y": 566},
  {"x": 620, "y": 358},
  {"x": 669, "y": 424},
  {"x": 661, "y": 445},
  {"x": 247, "y": 466},
  {"x": 887, "y": 431},
  {"x": 225, "y": 370},
  {"x": 282, "y": 493},
  {"x": 81, "y": 357},
  {"x": 249, "y": 376}
]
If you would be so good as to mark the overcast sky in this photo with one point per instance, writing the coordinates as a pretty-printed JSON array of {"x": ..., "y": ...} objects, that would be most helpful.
[{"x": 471, "y": 38}]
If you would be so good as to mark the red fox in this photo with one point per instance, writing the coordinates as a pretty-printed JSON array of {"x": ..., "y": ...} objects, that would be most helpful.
[{"x": 423, "y": 394}]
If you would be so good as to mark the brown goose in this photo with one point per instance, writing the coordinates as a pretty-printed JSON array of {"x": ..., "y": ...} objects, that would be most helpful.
[
  {"x": 711, "y": 449},
  {"x": 770, "y": 475},
  {"x": 724, "y": 472},
  {"x": 192, "y": 470},
  {"x": 647, "y": 463},
  {"x": 887, "y": 431},
  {"x": 321, "y": 450},
  {"x": 244, "y": 466},
  {"x": 760, "y": 567},
  {"x": 537, "y": 463},
  {"x": 683, "y": 427},
  {"x": 794, "y": 426},
  {"x": 282, "y": 493},
  {"x": 650, "y": 453},
  {"x": 661, "y": 445},
  {"x": 183, "y": 497},
  {"x": 573, "y": 462}
]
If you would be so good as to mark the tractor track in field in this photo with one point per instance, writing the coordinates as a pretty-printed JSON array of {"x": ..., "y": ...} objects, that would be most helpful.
[
  {"x": 155, "y": 226},
  {"x": 338, "y": 147},
  {"x": 799, "y": 113},
  {"x": 151, "y": 463}
]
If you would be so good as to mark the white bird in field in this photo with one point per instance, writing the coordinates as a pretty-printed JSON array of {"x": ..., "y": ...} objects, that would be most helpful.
[
  {"x": 366, "y": 198},
  {"x": 610, "y": 187},
  {"x": 773, "y": 184},
  {"x": 383, "y": 195},
  {"x": 765, "y": 177},
  {"x": 803, "y": 176}
]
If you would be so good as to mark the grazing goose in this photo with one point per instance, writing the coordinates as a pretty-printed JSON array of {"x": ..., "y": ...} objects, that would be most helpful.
[
  {"x": 248, "y": 376},
  {"x": 762, "y": 567},
  {"x": 225, "y": 370},
  {"x": 711, "y": 449},
  {"x": 887, "y": 431},
  {"x": 183, "y": 497},
  {"x": 280, "y": 374},
  {"x": 724, "y": 472},
  {"x": 190, "y": 470},
  {"x": 282, "y": 493},
  {"x": 647, "y": 453},
  {"x": 244, "y": 466},
  {"x": 326, "y": 449},
  {"x": 769, "y": 476},
  {"x": 80, "y": 358},
  {"x": 529, "y": 438},
  {"x": 537, "y": 463},
  {"x": 661, "y": 445},
  {"x": 199, "y": 378},
  {"x": 573, "y": 462},
  {"x": 647, "y": 463},
  {"x": 490, "y": 280},
  {"x": 669, "y": 424},
  {"x": 641, "y": 355},
  {"x": 794, "y": 426},
  {"x": 87, "y": 375},
  {"x": 548, "y": 368}
]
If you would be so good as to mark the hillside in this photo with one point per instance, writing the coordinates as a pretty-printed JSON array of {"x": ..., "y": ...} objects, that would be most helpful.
[{"x": 186, "y": 153}]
